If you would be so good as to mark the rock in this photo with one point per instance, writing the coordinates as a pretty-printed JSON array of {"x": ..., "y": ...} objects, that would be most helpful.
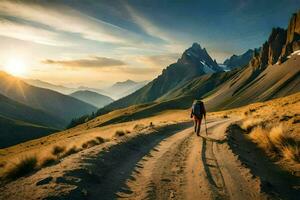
[{"x": 45, "y": 181}]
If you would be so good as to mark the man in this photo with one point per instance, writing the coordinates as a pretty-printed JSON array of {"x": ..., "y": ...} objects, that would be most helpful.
[{"x": 198, "y": 111}]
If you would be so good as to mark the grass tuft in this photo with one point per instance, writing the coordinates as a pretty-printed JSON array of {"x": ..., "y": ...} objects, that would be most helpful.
[
  {"x": 47, "y": 161},
  {"x": 57, "y": 150},
  {"x": 21, "y": 168},
  {"x": 276, "y": 143},
  {"x": 71, "y": 151},
  {"x": 120, "y": 133},
  {"x": 251, "y": 123}
]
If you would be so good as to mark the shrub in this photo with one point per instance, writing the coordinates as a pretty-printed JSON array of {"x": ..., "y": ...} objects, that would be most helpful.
[
  {"x": 47, "y": 161},
  {"x": 70, "y": 151},
  {"x": 57, "y": 150},
  {"x": 100, "y": 140},
  {"x": 120, "y": 133},
  {"x": 139, "y": 127},
  {"x": 92, "y": 143},
  {"x": 23, "y": 167}
]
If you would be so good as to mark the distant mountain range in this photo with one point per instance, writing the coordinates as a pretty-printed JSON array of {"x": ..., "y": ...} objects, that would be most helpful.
[
  {"x": 63, "y": 107},
  {"x": 236, "y": 61},
  {"x": 116, "y": 91},
  {"x": 46, "y": 85},
  {"x": 270, "y": 71},
  {"x": 124, "y": 88},
  {"x": 92, "y": 98}
]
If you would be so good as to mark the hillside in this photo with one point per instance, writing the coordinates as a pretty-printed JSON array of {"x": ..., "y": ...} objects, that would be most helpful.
[
  {"x": 63, "y": 107},
  {"x": 13, "y": 131},
  {"x": 93, "y": 98},
  {"x": 17, "y": 111}
]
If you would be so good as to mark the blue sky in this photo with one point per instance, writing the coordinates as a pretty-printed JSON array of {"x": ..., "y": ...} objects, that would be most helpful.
[{"x": 112, "y": 40}]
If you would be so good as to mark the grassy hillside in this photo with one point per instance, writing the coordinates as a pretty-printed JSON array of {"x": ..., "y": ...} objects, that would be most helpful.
[
  {"x": 14, "y": 131},
  {"x": 61, "y": 106}
]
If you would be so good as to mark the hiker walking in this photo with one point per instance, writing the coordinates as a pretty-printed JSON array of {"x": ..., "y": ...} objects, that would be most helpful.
[{"x": 198, "y": 111}]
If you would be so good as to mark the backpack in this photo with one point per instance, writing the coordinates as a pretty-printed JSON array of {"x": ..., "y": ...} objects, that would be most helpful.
[{"x": 198, "y": 109}]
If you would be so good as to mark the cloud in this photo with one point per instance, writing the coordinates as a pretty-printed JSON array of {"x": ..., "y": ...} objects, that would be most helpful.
[
  {"x": 158, "y": 61},
  {"x": 28, "y": 33},
  {"x": 147, "y": 26},
  {"x": 92, "y": 62},
  {"x": 67, "y": 19}
]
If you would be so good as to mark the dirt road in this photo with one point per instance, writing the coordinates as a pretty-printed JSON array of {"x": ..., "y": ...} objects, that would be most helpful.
[
  {"x": 185, "y": 166},
  {"x": 172, "y": 163}
]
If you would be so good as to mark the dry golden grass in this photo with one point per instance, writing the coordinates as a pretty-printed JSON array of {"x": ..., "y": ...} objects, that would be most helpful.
[
  {"x": 22, "y": 167},
  {"x": 276, "y": 143},
  {"x": 250, "y": 123},
  {"x": 291, "y": 153},
  {"x": 274, "y": 126}
]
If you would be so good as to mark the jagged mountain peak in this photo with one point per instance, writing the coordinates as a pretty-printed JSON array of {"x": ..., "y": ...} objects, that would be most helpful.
[{"x": 199, "y": 57}]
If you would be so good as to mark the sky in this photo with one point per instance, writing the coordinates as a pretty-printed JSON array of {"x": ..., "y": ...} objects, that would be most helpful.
[{"x": 98, "y": 42}]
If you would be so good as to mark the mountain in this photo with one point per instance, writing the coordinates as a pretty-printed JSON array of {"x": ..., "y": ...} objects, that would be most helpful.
[
  {"x": 236, "y": 61},
  {"x": 63, "y": 107},
  {"x": 273, "y": 71},
  {"x": 50, "y": 86},
  {"x": 17, "y": 111},
  {"x": 124, "y": 88},
  {"x": 195, "y": 61},
  {"x": 19, "y": 123},
  {"x": 99, "y": 91},
  {"x": 92, "y": 98},
  {"x": 292, "y": 42},
  {"x": 14, "y": 131},
  {"x": 270, "y": 73}
]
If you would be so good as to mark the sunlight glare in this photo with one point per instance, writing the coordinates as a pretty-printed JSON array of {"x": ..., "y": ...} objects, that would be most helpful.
[{"x": 15, "y": 67}]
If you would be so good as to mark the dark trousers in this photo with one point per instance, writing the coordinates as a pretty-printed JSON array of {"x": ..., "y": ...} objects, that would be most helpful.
[{"x": 197, "y": 124}]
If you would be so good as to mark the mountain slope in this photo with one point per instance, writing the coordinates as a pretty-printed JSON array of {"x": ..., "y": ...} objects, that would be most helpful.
[
  {"x": 63, "y": 107},
  {"x": 268, "y": 75},
  {"x": 14, "y": 131},
  {"x": 92, "y": 98},
  {"x": 50, "y": 86},
  {"x": 239, "y": 60},
  {"x": 17, "y": 111},
  {"x": 194, "y": 62}
]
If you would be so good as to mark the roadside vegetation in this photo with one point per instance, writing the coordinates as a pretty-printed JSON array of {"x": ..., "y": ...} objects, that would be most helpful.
[
  {"x": 274, "y": 126},
  {"x": 31, "y": 163}
]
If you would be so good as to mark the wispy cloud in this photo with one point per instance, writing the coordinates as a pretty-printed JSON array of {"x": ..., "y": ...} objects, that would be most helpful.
[
  {"x": 28, "y": 33},
  {"x": 147, "y": 26},
  {"x": 92, "y": 62},
  {"x": 158, "y": 61},
  {"x": 67, "y": 19}
]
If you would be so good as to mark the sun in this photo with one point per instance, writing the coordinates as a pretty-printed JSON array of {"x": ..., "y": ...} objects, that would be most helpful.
[{"x": 15, "y": 67}]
